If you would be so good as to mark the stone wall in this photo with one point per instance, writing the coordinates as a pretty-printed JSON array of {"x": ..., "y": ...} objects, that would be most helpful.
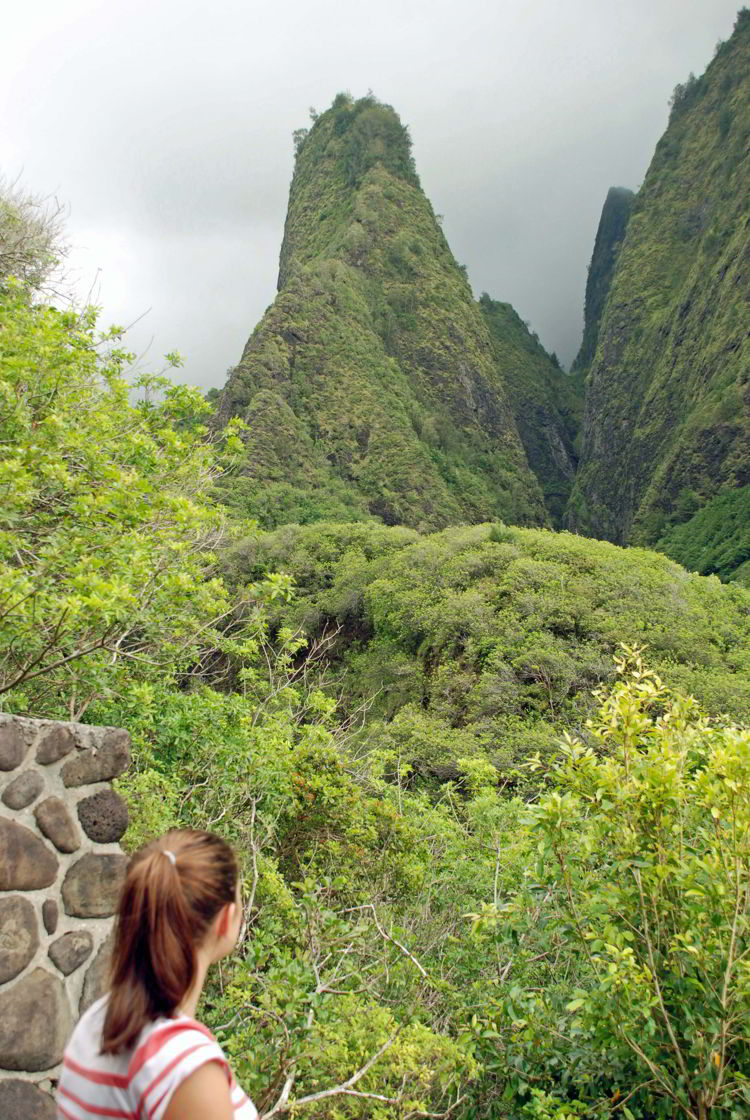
[{"x": 60, "y": 873}]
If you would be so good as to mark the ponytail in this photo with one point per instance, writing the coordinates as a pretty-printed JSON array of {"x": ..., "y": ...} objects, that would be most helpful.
[{"x": 173, "y": 890}]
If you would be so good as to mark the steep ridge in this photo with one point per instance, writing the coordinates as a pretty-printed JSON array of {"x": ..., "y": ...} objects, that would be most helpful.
[
  {"x": 609, "y": 237},
  {"x": 667, "y": 419},
  {"x": 370, "y": 386},
  {"x": 547, "y": 403}
]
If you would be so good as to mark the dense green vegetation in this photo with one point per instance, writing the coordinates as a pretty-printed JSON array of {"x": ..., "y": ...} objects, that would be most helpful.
[
  {"x": 487, "y": 641},
  {"x": 609, "y": 238},
  {"x": 714, "y": 537},
  {"x": 370, "y": 387},
  {"x": 547, "y": 403},
  {"x": 667, "y": 401},
  {"x": 489, "y": 783}
]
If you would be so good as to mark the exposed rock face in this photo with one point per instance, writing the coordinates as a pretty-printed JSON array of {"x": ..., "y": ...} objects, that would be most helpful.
[
  {"x": 21, "y": 1100},
  {"x": 23, "y": 790},
  {"x": 35, "y": 1022},
  {"x": 26, "y": 863},
  {"x": 110, "y": 760},
  {"x": 103, "y": 816},
  {"x": 19, "y": 935},
  {"x": 71, "y": 950},
  {"x": 92, "y": 885},
  {"x": 55, "y": 822}
]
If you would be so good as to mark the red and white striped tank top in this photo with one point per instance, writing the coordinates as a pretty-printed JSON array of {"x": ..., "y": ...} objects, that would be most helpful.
[{"x": 139, "y": 1083}]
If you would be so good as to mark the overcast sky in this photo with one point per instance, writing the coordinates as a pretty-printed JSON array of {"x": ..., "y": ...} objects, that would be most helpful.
[{"x": 165, "y": 127}]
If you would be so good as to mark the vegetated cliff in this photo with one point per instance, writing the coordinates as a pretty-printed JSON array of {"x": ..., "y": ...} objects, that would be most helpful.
[
  {"x": 547, "y": 403},
  {"x": 609, "y": 237},
  {"x": 667, "y": 419},
  {"x": 370, "y": 386}
]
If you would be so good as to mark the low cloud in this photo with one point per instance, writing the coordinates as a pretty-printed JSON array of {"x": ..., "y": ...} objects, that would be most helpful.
[{"x": 167, "y": 129}]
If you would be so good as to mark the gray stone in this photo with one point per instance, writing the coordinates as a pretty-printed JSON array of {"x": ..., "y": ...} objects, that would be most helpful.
[
  {"x": 35, "y": 1022},
  {"x": 21, "y": 1100},
  {"x": 104, "y": 816},
  {"x": 57, "y": 742},
  {"x": 92, "y": 885},
  {"x": 55, "y": 822},
  {"x": 97, "y": 980},
  {"x": 26, "y": 863},
  {"x": 23, "y": 790},
  {"x": 111, "y": 759},
  {"x": 71, "y": 950},
  {"x": 50, "y": 914},
  {"x": 13, "y": 744},
  {"x": 19, "y": 935}
]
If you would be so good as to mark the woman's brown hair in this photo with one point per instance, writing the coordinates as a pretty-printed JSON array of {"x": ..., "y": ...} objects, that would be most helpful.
[{"x": 173, "y": 890}]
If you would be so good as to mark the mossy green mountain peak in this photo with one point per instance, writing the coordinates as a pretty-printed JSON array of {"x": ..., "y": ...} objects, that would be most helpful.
[
  {"x": 374, "y": 387},
  {"x": 667, "y": 419}
]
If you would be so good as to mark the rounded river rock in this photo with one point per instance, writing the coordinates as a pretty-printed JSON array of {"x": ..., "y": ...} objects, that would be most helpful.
[
  {"x": 26, "y": 863},
  {"x": 56, "y": 743},
  {"x": 21, "y": 1100},
  {"x": 92, "y": 885},
  {"x": 96, "y": 981},
  {"x": 13, "y": 744},
  {"x": 23, "y": 790},
  {"x": 56, "y": 823},
  {"x": 19, "y": 935},
  {"x": 35, "y": 1022},
  {"x": 50, "y": 914},
  {"x": 71, "y": 950}
]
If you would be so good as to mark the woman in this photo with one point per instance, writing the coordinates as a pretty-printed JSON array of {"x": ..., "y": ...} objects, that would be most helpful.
[{"x": 138, "y": 1052}]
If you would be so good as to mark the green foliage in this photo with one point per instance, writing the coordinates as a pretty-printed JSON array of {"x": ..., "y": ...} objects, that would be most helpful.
[
  {"x": 31, "y": 239},
  {"x": 370, "y": 388},
  {"x": 488, "y": 641},
  {"x": 547, "y": 403},
  {"x": 645, "y": 843},
  {"x": 105, "y": 543},
  {"x": 713, "y": 538},
  {"x": 609, "y": 237},
  {"x": 667, "y": 391}
]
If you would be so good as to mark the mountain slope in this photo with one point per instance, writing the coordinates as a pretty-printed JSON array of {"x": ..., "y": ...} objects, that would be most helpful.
[
  {"x": 668, "y": 395},
  {"x": 374, "y": 356},
  {"x": 609, "y": 237},
  {"x": 547, "y": 403}
]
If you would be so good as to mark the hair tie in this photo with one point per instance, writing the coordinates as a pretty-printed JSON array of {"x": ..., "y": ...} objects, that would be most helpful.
[{"x": 170, "y": 856}]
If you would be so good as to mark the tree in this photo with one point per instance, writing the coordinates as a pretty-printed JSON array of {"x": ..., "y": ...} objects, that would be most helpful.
[
  {"x": 646, "y": 842},
  {"x": 31, "y": 236},
  {"x": 105, "y": 543}
]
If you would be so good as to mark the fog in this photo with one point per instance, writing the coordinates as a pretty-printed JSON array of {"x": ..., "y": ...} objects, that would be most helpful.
[{"x": 165, "y": 129}]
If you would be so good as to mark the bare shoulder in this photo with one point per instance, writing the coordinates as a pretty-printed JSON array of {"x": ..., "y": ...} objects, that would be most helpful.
[{"x": 204, "y": 1093}]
